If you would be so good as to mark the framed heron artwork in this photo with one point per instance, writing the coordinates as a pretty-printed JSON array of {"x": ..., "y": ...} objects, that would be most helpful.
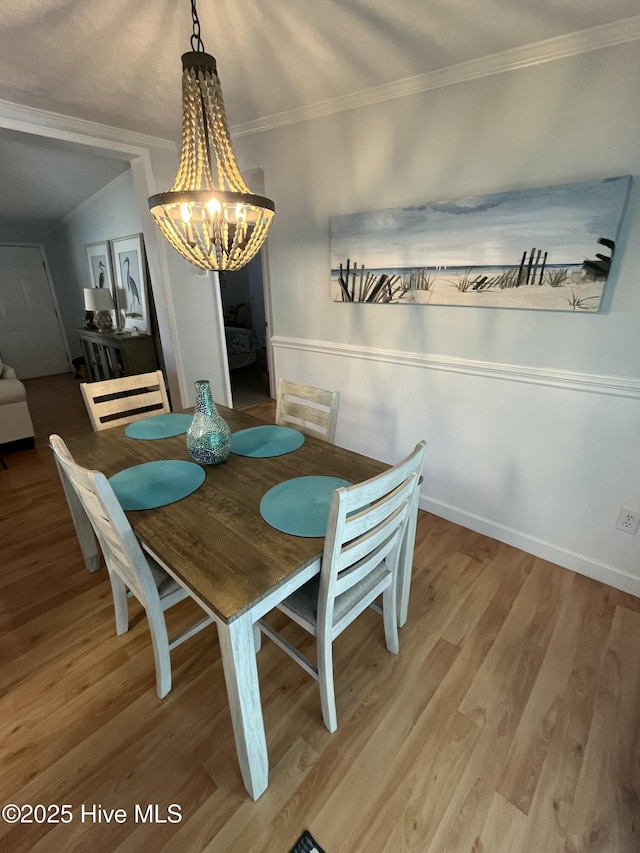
[
  {"x": 100, "y": 266},
  {"x": 548, "y": 248},
  {"x": 130, "y": 272}
]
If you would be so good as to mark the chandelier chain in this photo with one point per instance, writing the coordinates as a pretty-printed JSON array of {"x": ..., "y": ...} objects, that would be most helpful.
[{"x": 196, "y": 40}]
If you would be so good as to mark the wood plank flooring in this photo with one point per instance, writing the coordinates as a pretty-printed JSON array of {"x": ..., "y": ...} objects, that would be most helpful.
[{"x": 509, "y": 723}]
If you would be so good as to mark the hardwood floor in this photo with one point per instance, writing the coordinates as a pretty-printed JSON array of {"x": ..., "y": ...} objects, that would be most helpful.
[{"x": 509, "y": 722}]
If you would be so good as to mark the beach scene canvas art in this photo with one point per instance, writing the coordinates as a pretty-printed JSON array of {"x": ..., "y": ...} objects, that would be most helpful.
[{"x": 548, "y": 248}]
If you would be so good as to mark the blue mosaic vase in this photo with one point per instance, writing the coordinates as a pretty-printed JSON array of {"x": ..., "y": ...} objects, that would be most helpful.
[{"x": 209, "y": 436}]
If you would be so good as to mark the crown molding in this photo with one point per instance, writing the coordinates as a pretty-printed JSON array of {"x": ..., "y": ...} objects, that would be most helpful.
[
  {"x": 58, "y": 126},
  {"x": 549, "y": 50}
]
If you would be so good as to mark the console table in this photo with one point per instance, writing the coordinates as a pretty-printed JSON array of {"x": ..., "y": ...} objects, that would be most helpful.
[{"x": 109, "y": 356}]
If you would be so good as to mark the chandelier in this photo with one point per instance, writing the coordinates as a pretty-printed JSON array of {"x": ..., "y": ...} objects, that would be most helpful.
[{"x": 209, "y": 215}]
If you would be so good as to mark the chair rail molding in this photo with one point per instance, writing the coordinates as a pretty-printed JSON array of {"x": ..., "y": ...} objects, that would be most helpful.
[{"x": 593, "y": 383}]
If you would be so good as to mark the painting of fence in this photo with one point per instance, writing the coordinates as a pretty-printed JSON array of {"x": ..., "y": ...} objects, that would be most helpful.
[{"x": 548, "y": 248}]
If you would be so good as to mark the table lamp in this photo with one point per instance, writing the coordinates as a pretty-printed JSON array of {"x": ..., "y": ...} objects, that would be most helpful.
[{"x": 100, "y": 301}]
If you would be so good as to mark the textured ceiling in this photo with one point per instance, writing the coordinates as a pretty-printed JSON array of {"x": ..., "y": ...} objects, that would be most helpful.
[{"x": 118, "y": 63}]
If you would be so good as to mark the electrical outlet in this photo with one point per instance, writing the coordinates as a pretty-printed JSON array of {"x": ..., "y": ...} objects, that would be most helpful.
[{"x": 628, "y": 520}]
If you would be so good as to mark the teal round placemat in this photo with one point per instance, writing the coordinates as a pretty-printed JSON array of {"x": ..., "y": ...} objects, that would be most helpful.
[
  {"x": 300, "y": 506},
  {"x": 159, "y": 426},
  {"x": 267, "y": 440},
  {"x": 154, "y": 484}
]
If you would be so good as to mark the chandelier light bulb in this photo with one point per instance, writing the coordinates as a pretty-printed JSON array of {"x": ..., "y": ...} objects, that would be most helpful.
[{"x": 213, "y": 206}]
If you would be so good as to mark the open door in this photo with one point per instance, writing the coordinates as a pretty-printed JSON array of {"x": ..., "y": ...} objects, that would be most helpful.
[{"x": 246, "y": 333}]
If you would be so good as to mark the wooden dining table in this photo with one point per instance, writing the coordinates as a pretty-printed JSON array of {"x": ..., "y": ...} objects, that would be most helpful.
[{"x": 216, "y": 544}]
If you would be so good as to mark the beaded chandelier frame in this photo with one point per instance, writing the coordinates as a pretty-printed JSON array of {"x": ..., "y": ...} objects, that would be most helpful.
[{"x": 209, "y": 215}]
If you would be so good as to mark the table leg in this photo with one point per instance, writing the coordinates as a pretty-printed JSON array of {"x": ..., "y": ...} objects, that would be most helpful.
[
  {"x": 84, "y": 531},
  {"x": 237, "y": 645}
]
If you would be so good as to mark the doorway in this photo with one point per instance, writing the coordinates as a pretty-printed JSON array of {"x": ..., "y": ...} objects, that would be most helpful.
[
  {"x": 31, "y": 337},
  {"x": 246, "y": 333}
]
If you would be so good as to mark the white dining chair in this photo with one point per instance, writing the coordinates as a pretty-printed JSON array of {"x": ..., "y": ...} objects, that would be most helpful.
[
  {"x": 115, "y": 402},
  {"x": 363, "y": 545},
  {"x": 131, "y": 570},
  {"x": 313, "y": 411}
]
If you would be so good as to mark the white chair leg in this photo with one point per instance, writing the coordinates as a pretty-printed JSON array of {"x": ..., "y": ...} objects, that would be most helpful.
[
  {"x": 119, "y": 591},
  {"x": 325, "y": 683},
  {"x": 257, "y": 637},
  {"x": 390, "y": 618},
  {"x": 161, "y": 654}
]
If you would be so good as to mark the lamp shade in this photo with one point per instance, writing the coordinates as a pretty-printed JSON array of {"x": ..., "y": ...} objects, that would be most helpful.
[{"x": 98, "y": 299}]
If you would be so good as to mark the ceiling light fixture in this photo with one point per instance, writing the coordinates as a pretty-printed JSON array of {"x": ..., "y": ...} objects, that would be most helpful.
[{"x": 209, "y": 215}]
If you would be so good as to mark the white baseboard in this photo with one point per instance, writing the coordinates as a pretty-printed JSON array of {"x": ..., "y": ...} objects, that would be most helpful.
[{"x": 602, "y": 572}]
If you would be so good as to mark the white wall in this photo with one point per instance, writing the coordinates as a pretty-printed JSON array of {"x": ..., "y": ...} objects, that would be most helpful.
[
  {"x": 112, "y": 212},
  {"x": 532, "y": 418}
]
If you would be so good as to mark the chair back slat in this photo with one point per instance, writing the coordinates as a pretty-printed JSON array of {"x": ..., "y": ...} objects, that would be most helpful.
[
  {"x": 353, "y": 571},
  {"x": 367, "y": 523},
  {"x": 313, "y": 411},
  {"x": 114, "y": 402},
  {"x": 359, "y": 521},
  {"x": 379, "y": 528}
]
